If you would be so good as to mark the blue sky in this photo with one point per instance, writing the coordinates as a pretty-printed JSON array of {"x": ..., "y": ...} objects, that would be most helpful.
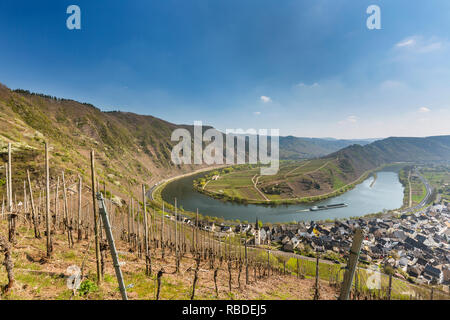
[{"x": 308, "y": 67}]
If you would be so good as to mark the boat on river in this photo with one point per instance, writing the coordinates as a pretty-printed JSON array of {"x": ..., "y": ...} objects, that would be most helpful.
[{"x": 327, "y": 207}]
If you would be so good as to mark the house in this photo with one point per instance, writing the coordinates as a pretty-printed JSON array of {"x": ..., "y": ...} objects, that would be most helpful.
[
  {"x": 407, "y": 230},
  {"x": 403, "y": 263},
  {"x": 434, "y": 273},
  {"x": 285, "y": 240},
  {"x": 226, "y": 229},
  {"x": 399, "y": 234},
  {"x": 383, "y": 225},
  {"x": 420, "y": 238},
  {"x": 446, "y": 273},
  {"x": 243, "y": 228},
  {"x": 295, "y": 241},
  {"x": 421, "y": 261},
  {"x": 264, "y": 236},
  {"x": 412, "y": 243},
  {"x": 429, "y": 242},
  {"x": 288, "y": 247},
  {"x": 209, "y": 226},
  {"x": 413, "y": 271}
]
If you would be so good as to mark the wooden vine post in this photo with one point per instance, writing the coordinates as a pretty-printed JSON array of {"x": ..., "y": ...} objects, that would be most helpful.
[
  {"x": 67, "y": 222},
  {"x": 9, "y": 179},
  {"x": 47, "y": 203},
  {"x": 246, "y": 262},
  {"x": 162, "y": 233},
  {"x": 96, "y": 230},
  {"x": 316, "y": 283},
  {"x": 37, "y": 234},
  {"x": 11, "y": 215},
  {"x": 112, "y": 246},
  {"x": 351, "y": 265},
  {"x": 80, "y": 189},
  {"x": 148, "y": 262}
]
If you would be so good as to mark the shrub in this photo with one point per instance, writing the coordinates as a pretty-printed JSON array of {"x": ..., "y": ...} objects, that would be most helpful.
[{"x": 86, "y": 287}]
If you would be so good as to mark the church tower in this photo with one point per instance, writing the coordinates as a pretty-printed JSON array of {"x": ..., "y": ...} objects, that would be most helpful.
[{"x": 257, "y": 234}]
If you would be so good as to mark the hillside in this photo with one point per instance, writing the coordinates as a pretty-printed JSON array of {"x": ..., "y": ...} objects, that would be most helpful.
[
  {"x": 130, "y": 149},
  {"x": 315, "y": 179},
  {"x": 133, "y": 149},
  {"x": 396, "y": 149}
]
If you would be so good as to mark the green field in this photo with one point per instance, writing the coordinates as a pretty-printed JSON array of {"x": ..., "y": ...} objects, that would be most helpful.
[
  {"x": 239, "y": 182},
  {"x": 296, "y": 181},
  {"x": 418, "y": 190},
  {"x": 439, "y": 178}
]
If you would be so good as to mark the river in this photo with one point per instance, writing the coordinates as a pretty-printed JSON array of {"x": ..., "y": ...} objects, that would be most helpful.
[{"x": 385, "y": 193}]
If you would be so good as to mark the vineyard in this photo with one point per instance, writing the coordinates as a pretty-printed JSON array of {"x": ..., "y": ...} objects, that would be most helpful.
[{"x": 54, "y": 245}]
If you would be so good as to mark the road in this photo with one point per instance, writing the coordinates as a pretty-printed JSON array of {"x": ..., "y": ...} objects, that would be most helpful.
[{"x": 426, "y": 199}]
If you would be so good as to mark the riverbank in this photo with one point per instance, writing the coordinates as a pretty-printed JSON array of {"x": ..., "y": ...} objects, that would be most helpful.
[
  {"x": 384, "y": 198},
  {"x": 157, "y": 202},
  {"x": 374, "y": 179},
  {"x": 303, "y": 200}
]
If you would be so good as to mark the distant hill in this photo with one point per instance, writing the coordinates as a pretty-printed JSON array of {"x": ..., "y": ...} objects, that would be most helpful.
[
  {"x": 294, "y": 148},
  {"x": 395, "y": 149},
  {"x": 331, "y": 175}
]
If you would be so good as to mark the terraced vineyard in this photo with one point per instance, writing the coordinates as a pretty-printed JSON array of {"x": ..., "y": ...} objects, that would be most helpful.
[{"x": 302, "y": 181}]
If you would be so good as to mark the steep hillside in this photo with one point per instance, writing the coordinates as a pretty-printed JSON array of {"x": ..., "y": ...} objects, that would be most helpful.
[{"x": 130, "y": 149}]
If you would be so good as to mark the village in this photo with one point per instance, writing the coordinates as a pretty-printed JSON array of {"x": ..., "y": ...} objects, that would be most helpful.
[{"x": 415, "y": 247}]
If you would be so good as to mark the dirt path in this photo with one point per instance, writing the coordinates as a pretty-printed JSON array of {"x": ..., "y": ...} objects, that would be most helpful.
[
  {"x": 319, "y": 167},
  {"x": 305, "y": 173},
  {"x": 255, "y": 182},
  {"x": 206, "y": 184},
  {"x": 410, "y": 190},
  {"x": 327, "y": 194},
  {"x": 304, "y": 164}
]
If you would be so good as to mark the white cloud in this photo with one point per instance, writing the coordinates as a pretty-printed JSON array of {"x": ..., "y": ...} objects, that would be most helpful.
[
  {"x": 266, "y": 99},
  {"x": 392, "y": 84},
  {"x": 352, "y": 119},
  {"x": 431, "y": 47},
  {"x": 349, "y": 119},
  {"x": 406, "y": 43},
  {"x": 303, "y": 85},
  {"x": 424, "y": 110},
  {"x": 256, "y": 113},
  {"x": 419, "y": 44}
]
